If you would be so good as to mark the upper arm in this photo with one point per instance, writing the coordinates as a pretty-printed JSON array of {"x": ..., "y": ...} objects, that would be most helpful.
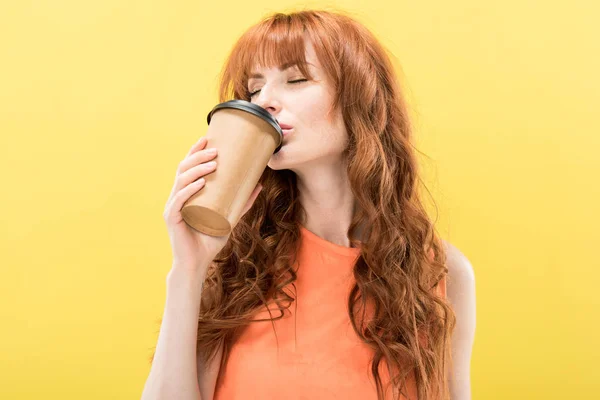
[
  {"x": 208, "y": 374},
  {"x": 461, "y": 295}
]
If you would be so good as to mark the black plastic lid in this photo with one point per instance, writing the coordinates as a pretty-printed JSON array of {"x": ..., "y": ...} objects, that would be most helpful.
[{"x": 252, "y": 109}]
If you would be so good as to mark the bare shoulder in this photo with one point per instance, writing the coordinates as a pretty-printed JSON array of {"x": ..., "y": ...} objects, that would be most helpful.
[
  {"x": 459, "y": 266},
  {"x": 461, "y": 293}
]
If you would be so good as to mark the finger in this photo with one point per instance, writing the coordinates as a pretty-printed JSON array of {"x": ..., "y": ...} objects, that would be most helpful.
[
  {"x": 200, "y": 144},
  {"x": 194, "y": 173},
  {"x": 197, "y": 158},
  {"x": 183, "y": 195}
]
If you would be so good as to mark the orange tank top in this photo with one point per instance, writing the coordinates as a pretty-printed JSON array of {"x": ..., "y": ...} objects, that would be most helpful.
[{"x": 319, "y": 355}]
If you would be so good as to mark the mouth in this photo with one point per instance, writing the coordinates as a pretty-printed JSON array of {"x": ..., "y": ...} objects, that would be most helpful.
[
  {"x": 284, "y": 126},
  {"x": 285, "y": 129}
]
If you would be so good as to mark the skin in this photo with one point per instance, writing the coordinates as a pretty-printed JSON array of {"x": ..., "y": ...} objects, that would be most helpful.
[
  {"x": 314, "y": 148},
  {"x": 460, "y": 291},
  {"x": 313, "y": 151}
]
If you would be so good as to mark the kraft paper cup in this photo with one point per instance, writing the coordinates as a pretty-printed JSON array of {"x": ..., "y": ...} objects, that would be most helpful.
[{"x": 246, "y": 136}]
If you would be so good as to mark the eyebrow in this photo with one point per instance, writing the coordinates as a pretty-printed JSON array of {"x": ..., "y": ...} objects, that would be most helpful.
[{"x": 281, "y": 68}]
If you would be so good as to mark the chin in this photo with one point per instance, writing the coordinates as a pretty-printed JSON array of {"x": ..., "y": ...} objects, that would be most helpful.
[{"x": 279, "y": 160}]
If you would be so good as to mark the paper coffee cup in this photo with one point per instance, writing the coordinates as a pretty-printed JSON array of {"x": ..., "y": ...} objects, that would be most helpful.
[{"x": 246, "y": 136}]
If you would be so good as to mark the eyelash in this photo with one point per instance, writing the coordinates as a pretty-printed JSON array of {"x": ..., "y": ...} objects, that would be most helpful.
[{"x": 296, "y": 81}]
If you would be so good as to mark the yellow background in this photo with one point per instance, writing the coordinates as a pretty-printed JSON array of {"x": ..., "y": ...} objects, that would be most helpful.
[{"x": 99, "y": 101}]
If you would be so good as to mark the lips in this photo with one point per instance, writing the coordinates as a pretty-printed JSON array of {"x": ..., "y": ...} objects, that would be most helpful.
[{"x": 285, "y": 129}]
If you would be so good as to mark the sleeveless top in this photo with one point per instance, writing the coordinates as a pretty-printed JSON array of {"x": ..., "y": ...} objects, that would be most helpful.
[{"x": 315, "y": 353}]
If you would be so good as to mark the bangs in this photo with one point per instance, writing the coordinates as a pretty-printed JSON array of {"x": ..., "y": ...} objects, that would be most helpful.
[{"x": 275, "y": 43}]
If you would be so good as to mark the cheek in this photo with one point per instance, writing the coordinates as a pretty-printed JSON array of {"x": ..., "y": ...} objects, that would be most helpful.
[
  {"x": 311, "y": 109},
  {"x": 314, "y": 115},
  {"x": 329, "y": 123}
]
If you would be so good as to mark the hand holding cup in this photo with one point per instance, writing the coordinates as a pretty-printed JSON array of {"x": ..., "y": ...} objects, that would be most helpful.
[{"x": 190, "y": 247}]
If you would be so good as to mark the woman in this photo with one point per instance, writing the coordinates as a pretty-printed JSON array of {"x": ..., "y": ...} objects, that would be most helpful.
[{"x": 333, "y": 283}]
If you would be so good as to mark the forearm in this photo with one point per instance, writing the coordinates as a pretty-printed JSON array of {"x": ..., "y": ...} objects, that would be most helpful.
[{"x": 173, "y": 374}]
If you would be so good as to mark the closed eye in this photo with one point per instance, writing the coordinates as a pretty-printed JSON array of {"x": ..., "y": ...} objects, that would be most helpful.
[{"x": 296, "y": 81}]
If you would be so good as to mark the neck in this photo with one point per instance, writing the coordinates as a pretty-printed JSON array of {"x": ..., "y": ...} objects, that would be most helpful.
[{"x": 326, "y": 195}]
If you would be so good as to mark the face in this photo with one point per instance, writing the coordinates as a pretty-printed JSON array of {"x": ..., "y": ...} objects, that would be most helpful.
[{"x": 316, "y": 135}]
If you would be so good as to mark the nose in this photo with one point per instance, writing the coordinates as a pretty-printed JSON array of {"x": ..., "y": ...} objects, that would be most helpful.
[{"x": 267, "y": 100}]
